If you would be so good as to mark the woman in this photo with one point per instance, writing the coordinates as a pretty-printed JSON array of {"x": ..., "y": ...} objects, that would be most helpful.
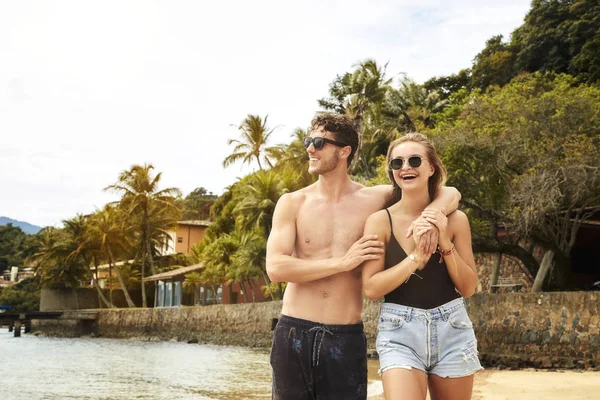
[{"x": 425, "y": 338}]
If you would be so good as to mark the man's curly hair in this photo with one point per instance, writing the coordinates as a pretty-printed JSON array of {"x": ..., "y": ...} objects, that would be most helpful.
[{"x": 343, "y": 128}]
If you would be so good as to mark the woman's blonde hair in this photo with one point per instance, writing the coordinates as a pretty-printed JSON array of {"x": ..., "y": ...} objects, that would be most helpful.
[{"x": 436, "y": 181}]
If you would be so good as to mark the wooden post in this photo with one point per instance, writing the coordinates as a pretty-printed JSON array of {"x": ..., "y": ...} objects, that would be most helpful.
[
  {"x": 18, "y": 328},
  {"x": 11, "y": 325},
  {"x": 495, "y": 272},
  {"x": 27, "y": 326}
]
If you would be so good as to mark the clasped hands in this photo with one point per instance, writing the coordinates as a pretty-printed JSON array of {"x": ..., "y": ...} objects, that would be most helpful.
[{"x": 428, "y": 230}]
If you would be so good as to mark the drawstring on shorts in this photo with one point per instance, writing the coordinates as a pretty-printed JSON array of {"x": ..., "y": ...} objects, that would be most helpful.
[{"x": 317, "y": 348}]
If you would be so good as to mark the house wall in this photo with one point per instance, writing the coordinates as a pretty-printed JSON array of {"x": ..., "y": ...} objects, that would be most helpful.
[
  {"x": 541, "y": 330},
  {"x": 87, "y": 298},
  {"x": 190, "y": 235},
  {"x": 232, "y": 294}
]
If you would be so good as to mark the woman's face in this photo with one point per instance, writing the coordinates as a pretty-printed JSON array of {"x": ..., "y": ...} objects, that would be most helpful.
[{"x": 410, "y": 166}]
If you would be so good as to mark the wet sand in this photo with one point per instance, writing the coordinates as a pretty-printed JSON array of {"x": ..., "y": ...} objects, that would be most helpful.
[{"x": 530, "y": 384}]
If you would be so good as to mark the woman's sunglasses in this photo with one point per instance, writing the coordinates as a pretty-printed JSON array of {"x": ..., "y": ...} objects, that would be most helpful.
[
  {"x": 414, "y": 161},
  {"x": 319, "y": 142}
]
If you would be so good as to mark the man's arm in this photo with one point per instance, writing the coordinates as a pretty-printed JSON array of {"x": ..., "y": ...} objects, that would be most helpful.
[
  {"x": 283, "y": 267},
  {"x": 447, "y": 199}
]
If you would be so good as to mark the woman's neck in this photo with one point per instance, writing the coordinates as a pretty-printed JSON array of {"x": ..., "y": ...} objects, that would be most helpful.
[{"x": 413, "y": 203}]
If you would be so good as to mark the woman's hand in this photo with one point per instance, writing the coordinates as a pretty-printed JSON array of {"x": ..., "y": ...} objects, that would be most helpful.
[
  {"x": 428, "y": 240},
  {"x": 440, "y": 221}
]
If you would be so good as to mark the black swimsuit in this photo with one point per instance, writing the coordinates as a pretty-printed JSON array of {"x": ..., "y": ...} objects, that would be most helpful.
[{"x": 427, "y": 288}]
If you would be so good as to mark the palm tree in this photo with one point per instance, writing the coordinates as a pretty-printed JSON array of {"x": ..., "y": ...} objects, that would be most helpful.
[
  {"x": 86, "y": 248},
  {"x": 252, "y": 145},
  {"x": 149, "y": 211},
  {"x": 191, "y": 282},
  {"x": 249, "y": 261},
  {"x": 355, "y": 93},
  {"x": 58, "y": 261},
  {"x": 257, "y": 201},
  {"x": 108, "y": 229},
  {"x": 412, "y": 106}
]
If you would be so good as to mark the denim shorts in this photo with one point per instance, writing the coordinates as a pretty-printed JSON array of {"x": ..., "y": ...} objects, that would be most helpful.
[{"x": 438, "y": 341}]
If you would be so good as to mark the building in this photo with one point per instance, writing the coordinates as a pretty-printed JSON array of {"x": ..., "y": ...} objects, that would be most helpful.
[
  {"x": 15, "y": 274},
  {"x": 169, "y": 290},
  {"x": 186, "y": 235}
]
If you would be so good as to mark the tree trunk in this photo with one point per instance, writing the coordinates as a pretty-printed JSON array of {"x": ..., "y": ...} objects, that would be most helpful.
[
  {"x": 268, "y": 282},
  {"x": 495, "y": 271},
  {"x": 101, "y": 297},
  {"x": 215, "y": 294},
  {"x": 110, "y": 286},
  {"x": 130, "y": 303},
  {"x": 259, "y": 166},
  {"x": 251, "y": 291},
  {"x": 545, "y": 267},
  {"x": 144, "y": 302},
  {"x": 204, "y": 295},
  {"x": 280, "y": 290},
  {"x": 243, "y": 287}
]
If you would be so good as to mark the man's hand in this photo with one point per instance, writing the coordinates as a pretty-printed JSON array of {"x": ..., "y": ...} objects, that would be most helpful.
[
  {"x": 428, "y": 235},
  {"x": 365, "y": 248}
]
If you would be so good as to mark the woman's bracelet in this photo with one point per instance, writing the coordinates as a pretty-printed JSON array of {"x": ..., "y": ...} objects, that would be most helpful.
[{"x": 444, "y": 253}]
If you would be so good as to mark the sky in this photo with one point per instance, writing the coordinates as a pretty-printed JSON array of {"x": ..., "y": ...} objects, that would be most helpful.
[{"x": 90, "y": 88}]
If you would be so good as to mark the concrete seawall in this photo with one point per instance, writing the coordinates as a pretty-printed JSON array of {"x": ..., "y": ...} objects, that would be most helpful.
[{"x": 543, "y": 330}]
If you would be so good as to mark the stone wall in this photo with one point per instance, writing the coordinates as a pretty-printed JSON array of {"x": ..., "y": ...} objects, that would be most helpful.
[
  {"x": 544, "y": 330},
  {"x": 86, "y": 298},
  {"x": 510, "y": 268}
]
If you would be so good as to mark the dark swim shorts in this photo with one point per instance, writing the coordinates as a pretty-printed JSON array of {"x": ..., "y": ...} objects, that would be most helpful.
[{"x": 315, "y": 361}]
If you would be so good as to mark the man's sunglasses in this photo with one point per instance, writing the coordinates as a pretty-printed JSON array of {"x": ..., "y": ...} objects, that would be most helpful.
[
  {"x": 414, "y": 161},
  {"x": 319, "y": 142}
]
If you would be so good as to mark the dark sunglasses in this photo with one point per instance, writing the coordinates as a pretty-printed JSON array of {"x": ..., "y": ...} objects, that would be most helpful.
[
  {"x": 414, "y": 161},
  {"x": 319, "y": 142}
]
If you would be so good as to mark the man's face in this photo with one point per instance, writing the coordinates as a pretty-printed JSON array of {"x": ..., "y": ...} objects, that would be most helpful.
[{"x": 327, "y": 158}]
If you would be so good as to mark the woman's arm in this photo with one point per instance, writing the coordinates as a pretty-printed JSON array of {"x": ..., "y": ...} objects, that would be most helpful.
[
  {"x": 455, "y": 242},
  {"x": 378, "y": 281},
  {"x": 446, "y": 201}
]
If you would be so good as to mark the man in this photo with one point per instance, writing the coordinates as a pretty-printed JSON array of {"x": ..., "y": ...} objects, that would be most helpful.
[{"x": 316, "y": 244}]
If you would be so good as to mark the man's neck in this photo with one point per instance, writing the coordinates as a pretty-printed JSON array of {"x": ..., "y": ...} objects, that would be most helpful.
[{"x": 334, "y": 185}]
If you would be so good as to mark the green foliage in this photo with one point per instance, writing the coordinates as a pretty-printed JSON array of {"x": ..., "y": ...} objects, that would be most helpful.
[
  {"x": 525, "y": 156},
  {"x": 252, "y": 144},
  {"x": 23, "y": 296},
  {"x": 15, "y": 246},
  {"x": 494, "y": 65},
  {"x": 196, "y": 205}
]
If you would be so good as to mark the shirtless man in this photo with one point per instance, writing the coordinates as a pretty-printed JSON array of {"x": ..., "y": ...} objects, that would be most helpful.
[{"x": 316, "y": 244}]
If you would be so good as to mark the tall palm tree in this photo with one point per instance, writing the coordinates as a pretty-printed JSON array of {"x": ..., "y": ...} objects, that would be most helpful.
[
  {"x": 86, "y": 247},
  {"x": 252, "y": 145},
  {"x": 108, "y": 229},
  {"x": 150, "y": 212},
  {"x": 356, "y": 92}
]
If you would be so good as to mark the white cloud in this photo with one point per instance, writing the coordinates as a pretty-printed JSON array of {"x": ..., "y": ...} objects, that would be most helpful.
[{"x": 89, "y": 88}]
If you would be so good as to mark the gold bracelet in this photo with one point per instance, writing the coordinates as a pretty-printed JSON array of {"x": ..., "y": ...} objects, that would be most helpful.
[{"x": 444, "y": 253}]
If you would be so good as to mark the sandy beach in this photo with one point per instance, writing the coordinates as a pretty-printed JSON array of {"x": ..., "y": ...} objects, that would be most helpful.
[{"x": 528, "y": 384}]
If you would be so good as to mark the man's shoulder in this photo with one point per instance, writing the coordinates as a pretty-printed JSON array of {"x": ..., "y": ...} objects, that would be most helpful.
[
  {"x": 377, "y": 190},
  {"x": 294, "y": 198}
]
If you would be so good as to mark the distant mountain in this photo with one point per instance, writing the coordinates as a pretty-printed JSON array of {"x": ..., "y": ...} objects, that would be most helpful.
[{"x": 25, "y": 227}]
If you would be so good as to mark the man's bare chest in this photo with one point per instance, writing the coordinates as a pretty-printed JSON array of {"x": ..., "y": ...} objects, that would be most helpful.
[{"x": 334, "y": 227}]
